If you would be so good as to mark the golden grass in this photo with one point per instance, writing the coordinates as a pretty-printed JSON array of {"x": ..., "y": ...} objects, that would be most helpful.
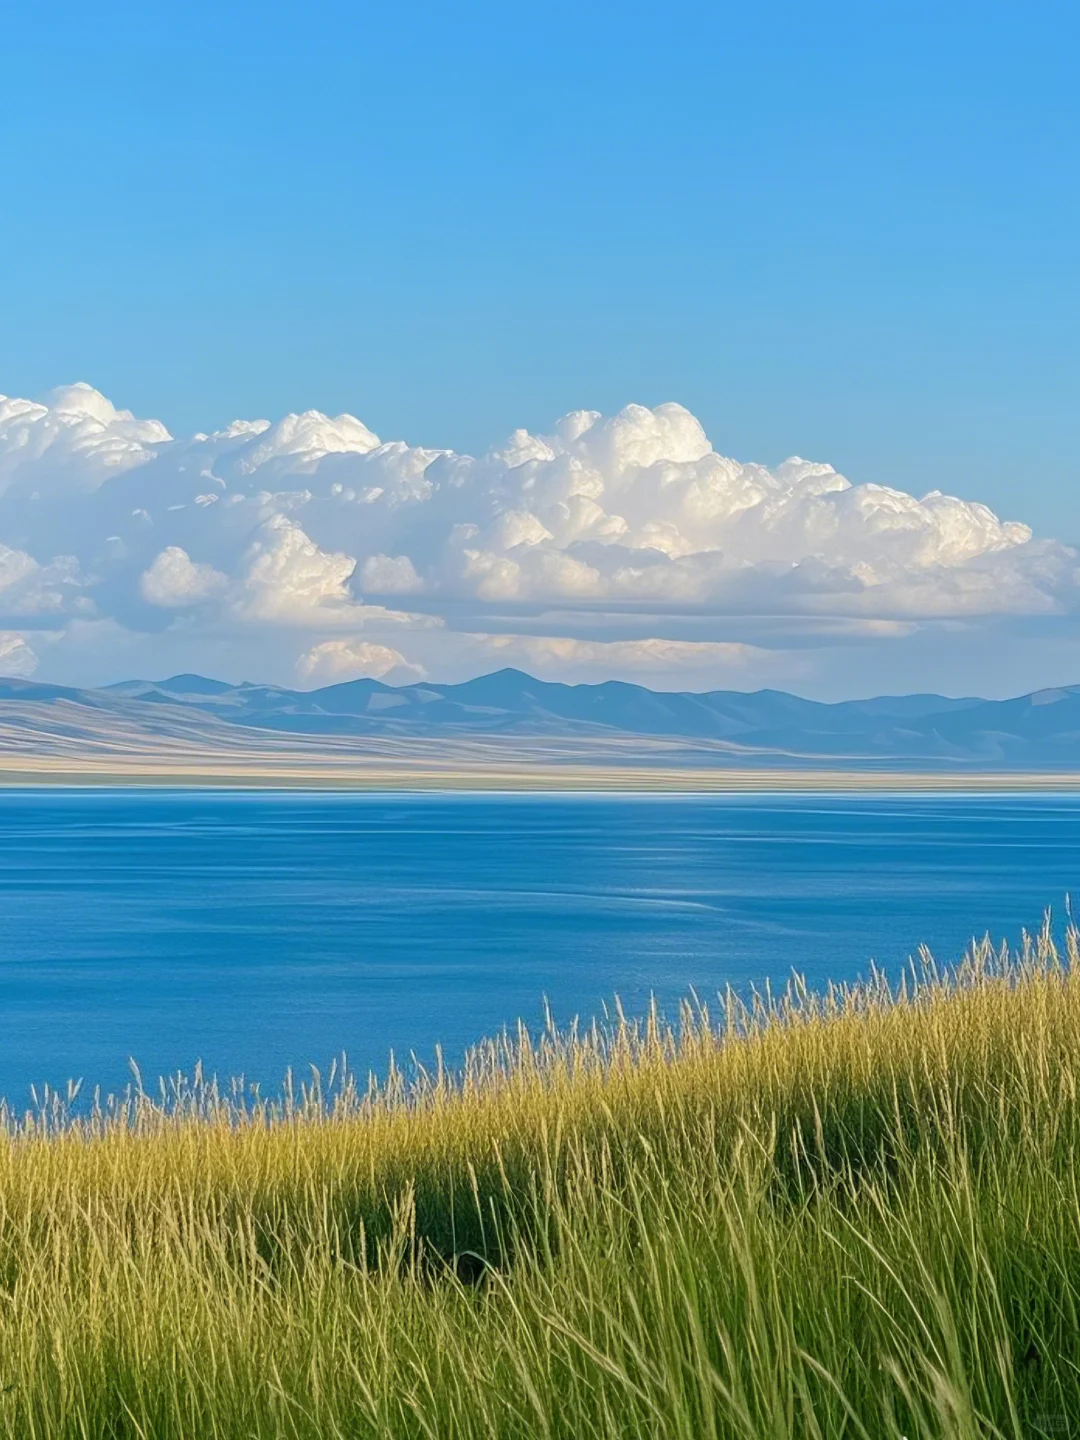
[{"x": 848, "y": 1215}]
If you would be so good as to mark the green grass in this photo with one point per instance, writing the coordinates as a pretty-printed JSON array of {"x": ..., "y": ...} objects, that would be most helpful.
[{"x": 856, "y": 1215}]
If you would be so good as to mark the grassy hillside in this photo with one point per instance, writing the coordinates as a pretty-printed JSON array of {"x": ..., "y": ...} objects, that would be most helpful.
[{"x": 856, "y": 1216}]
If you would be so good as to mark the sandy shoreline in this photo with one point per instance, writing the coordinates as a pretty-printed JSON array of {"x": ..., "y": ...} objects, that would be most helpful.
[{"x": 222, "y": 773}]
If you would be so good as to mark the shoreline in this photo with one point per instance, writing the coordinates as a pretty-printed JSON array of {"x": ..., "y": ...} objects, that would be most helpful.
[{"x": 536, "y": 779}]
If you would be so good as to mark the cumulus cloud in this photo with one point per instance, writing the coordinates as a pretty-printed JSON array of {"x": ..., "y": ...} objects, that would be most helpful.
[
  {"x": 74, "y": 439},
  {"x": 335, "y": 660},
  {"x": 664, "y": 664},
  {"x": 390, "y": 575},
  {"x": 175, "y": 580},
  {"x": 16, "y": 657},
  {"x": 29, "y": 588},
  {"x": 288, "y": 576},
  {"x": 248, "y": 534},
  {"x": 642, "y": 657}
]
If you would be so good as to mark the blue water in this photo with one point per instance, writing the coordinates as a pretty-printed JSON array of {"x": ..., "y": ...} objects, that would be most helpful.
[{"x": 258, "y": 931}]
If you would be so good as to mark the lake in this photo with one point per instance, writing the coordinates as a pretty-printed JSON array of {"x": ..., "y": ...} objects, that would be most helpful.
[{"x": 261, "y": 930}]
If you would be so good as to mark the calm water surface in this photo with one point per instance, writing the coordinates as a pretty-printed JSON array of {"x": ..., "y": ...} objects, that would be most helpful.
[{"x": 257, "y": 931}]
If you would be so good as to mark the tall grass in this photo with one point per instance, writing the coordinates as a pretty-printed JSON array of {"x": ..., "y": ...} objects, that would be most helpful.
[{"x": 855, "y": 1214}]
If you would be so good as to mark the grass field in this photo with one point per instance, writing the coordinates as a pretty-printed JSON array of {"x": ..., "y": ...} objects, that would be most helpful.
[{"x": 856, "y": 1215}]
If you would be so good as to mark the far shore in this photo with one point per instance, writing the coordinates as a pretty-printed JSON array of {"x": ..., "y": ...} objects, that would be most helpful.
[{"x": 33, "y": 772}]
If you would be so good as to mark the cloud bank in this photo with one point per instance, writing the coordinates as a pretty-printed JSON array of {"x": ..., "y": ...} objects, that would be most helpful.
[{"x": 308, "y": 550}]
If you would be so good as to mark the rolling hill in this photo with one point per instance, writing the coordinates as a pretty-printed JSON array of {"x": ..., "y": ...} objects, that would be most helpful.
[{"x": 508, "y": 710}]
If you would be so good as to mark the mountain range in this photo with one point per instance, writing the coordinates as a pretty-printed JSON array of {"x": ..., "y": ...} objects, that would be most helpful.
[{"x": 1040, "y": 731}]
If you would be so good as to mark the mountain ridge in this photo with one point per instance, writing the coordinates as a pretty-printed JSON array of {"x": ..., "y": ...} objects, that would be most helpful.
[{"x": 1035, "y": 731}]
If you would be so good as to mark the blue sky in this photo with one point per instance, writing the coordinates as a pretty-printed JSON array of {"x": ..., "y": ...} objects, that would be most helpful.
[
  {"x": 838, "y": 230},
  {"x": 841, "y": 231}
]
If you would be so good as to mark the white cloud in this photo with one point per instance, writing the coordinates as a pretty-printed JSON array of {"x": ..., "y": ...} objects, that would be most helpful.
[
  {"x": 16, "y": 567},
  {"x": 259, "y": 530},
  {"x": 27, "y": 588},
  {"x": 74, "y": 439},
  {"x": 16, "y": 657},
  {"x": 390, "y": 575},
  {"x": 649, "y": 654},
  {"x": 335, "y": 660},
  {"x": 715, "y": 663},
  {"x": 175, "y": 580},
  {"x": 288, "y": 576},
  {"x": 289, "y": 580}
]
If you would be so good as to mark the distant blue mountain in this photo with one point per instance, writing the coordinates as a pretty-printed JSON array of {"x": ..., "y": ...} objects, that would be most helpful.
[{"x": 1038, "y": 731}]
